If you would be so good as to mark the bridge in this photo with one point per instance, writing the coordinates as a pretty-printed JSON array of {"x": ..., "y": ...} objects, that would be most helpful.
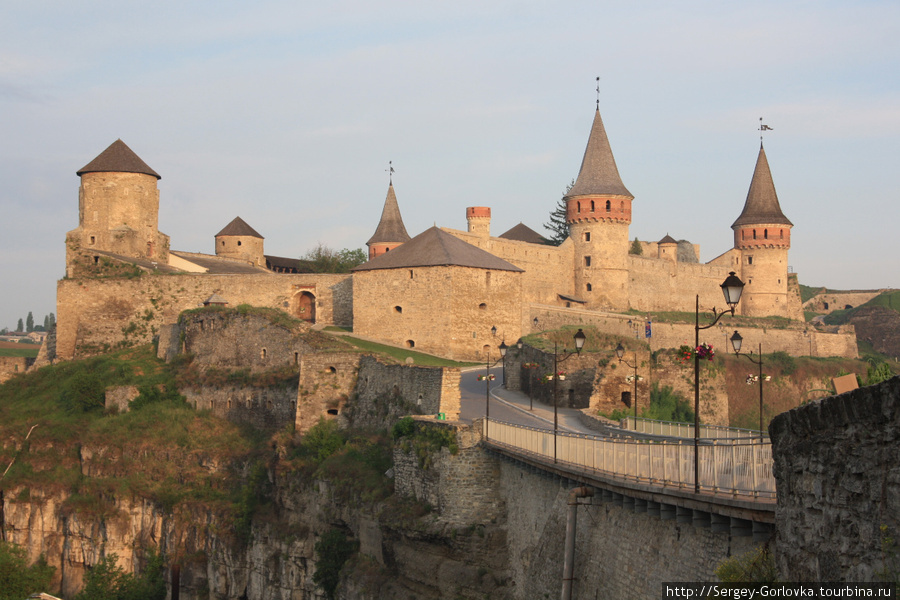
[{"x": 655, "y": 473}]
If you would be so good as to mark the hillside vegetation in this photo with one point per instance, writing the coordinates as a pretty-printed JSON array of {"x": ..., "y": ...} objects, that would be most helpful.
[{"x": 877, "y": 324}]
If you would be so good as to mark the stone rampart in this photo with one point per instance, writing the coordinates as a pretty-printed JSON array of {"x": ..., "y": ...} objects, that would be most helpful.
[
  {"x": 95, "y": 315},
  {"x": 827, "y": 302},
  {"x": 11, "y": 365},
  {"x": 838, "y": 481},
  {"x": 268, "y": 408},
  {"x": 796, "y": 340},
  {"x": 327, "y": 380}
]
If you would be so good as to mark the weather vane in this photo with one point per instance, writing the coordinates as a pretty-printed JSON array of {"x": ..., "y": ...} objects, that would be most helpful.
[
  {"x": 598, "y": 93},
  {"x": 763, "y": 127},
  {"x": 390, "y": 172}
]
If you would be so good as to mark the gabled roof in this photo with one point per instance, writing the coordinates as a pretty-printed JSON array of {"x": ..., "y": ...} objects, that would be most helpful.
[
  {"x": 390, "y": 229},
  {"x": 524, "y": 233},
  {"x": 599, "y": 174},
  {"x": 239, "y": 227},
  {"x": 117, "y": 158},
  {"x": 215, "y": 299},
  {"x": 433, "y": 248},
  {"x": 762, "y": 205}
]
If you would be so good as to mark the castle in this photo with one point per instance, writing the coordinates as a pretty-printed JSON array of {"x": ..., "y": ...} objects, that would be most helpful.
[{"x": 449, "y": 292}]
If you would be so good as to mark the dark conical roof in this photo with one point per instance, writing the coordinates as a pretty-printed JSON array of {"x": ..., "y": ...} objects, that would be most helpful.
[
  {"x": 390, "y": 228},
  {"x": 667, "y": 240},
  {"x": 762, "y": 205},
  {"x": 239, "y": 227},
  {"x": 434, "y": 248},
  {"x": 599, "y": 174},
  {"x": 118, "y": 158},
  {"x": 524, "y": 233}
]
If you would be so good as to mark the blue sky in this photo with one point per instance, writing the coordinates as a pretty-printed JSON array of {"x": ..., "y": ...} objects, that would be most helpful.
[{"x": 287, "y": 113}]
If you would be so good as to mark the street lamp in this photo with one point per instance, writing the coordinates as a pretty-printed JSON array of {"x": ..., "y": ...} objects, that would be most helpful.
[
  {"x": 731, "y": 289},
  {"x": 579, "y": 344},
  {"x": 736, "y": 341},
  {"x": 620, "y": 352},
  {"x": 487, "y": 382}
]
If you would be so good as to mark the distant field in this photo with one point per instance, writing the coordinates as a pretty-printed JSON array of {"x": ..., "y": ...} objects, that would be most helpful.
[{"x": 14, "y": 349}]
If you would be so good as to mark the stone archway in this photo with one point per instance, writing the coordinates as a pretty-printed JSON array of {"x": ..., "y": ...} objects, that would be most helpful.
[{"x": 303, "y": 306}]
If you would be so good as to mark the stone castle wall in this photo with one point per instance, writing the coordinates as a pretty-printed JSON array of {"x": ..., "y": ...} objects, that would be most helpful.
[
  {"x": 828, "y": 302},
  {"x": 797, "y": 340},
  {"x": 838, "y": 480},
  {"x": 448, "y": 311},
  {"x": 327, "y": 380},
  {"x": 268, "y": 408},
  {"x": 94, "y": 315}
]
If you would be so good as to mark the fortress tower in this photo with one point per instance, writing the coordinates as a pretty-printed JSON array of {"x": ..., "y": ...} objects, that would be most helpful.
[
  {"x": 763, "y": 235},
  {"x": 390, "y": 232},
  {"x": 240, "y": 241},
  {"x": 478, "y": 219},
  {"x": 118, "y": 210},
  {"x": 598, "y": 211}
]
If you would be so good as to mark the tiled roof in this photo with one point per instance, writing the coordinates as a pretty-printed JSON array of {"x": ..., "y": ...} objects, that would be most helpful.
[
  {"x": 762, "y": 205},
  {"x": 219, "y": 266},
  {"x": 524, "y": 233},
  {"x": 292, "y": 265},
  {"x": 433, "y": 248},
  {"x": 667, "y": 240},
  {"x": 117, "y": 158},
  {"x": 239, "y": 227},
  {"x": 390, "y": 228},
  {"x": 599, "y": 174}
]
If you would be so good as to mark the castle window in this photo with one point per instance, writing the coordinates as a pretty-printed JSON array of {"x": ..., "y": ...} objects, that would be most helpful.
[
  {"x": 743, "y": 234},
  {"x": 587, "y": 261},
  {"x": 592, "y": 206},
  {"x": 766, "y": 233},
  {"x": 296, "y": 358},
  {"x": 332, "y": 370},
  {"x": 487, "y": 278},
  {"x": 93, "y": 240},
  {"x": 223, "y": 242},
  {"x": 239, "y": 242},
  {"x": 589, "y": 288},
  {"x": 782, "y": 233},
  {"x": 482, "y": 306},
  {"x": 96, "y": 260},
  {"x": 754, "y": 234},
  {"x": 749, "y": 260},
  {"x": 622, "y": 205},
  {"x": 587, "y": 236},
  {"x": 398, "y": 310},
  {"x": 263, "y": 354},
  {"x": 578, "y": 206},
  {"x": 410, "y": 343},
  {"x": 332, "y": 411},
  {"x": 608, "y": 206},
  {"x": 411, "y": 274}
]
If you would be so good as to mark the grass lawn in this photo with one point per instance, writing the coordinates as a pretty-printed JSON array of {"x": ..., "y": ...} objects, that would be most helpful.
[
  {"x": 401, "y": 354},
  {"x": 19, "y": 350}
]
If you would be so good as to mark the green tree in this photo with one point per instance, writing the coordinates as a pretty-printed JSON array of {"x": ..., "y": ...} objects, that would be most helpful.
[
  {"x": 323, "y": 259},
  {"x": 83, "y": 392},
  {"x": 636, "y": 247},
  {"x": 107, "y": 581},
  {"x": 17, "y": 579},
  {"x": 332, "y": 551},
  {"x": 558, "y": 226},
  {"x": 20, "y": 326},
  {"x": 46, "y": 322},
  {"x": 29, "y": 322}
]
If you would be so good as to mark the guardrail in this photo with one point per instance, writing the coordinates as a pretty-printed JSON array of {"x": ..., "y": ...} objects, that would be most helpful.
[
  {"x": 740, "y": 467},
  {"x": 686, "y": 430}
]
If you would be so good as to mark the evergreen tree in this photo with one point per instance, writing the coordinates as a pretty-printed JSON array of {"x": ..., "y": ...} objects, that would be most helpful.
[
  {"x": 20, "y": 326},
  {"x": 636, "y": 247},
  {"x": 46, "y": 322},
  {"x": 558, "y": 227},
  {"x": 29, "y": 322},
  {"x": 52, "y": 321}
]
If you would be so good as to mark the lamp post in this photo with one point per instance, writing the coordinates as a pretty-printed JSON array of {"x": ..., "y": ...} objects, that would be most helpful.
[
  {"x": 731, "y": 288},
  {"x": 487, "y": 382},
  {"x": 579, "y": 344},
  {"x": 620, "y": 352},
  {"x": 736, "y": 341}
]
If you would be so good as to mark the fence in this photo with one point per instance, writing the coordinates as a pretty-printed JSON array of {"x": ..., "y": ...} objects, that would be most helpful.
[
  {"x": 686, "y": 430},
  {"x": 740, "y": 467}
]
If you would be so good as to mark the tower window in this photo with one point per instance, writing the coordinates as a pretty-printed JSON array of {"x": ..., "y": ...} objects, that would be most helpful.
[
  {"x": 766, "y": 233},
  {"x": 482, "y": 306},
  {"x": 608, "y": 206},
  {"x": 398, "y": 310},
  {"x": 589, "y": 288},
  {"x": 410, "y": 344},
  {"x": 263, "y": 354},
  {"x": 93, "y": 240},
  {"x": 754, "y": 234},
  {"x": 587, "y": 236},
  {"x": 223, "y": 242},
  {"x": 578, "y": 206},
  {"x": 749, "y": 260},
  {"x": 587, "y": 261},
  {"x": 411, "y": 274},
  {"x": 782, "y": 234},
  {"x": 592, "y": 206}
]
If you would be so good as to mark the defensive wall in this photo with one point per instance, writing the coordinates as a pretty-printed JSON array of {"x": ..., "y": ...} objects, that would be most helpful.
[
  {"x": 827, "y": 302},
  {"x": 94, "y": 315},
  {"x": 619, "y": 552},
  {"x": 837, "y": 471},
  {"x": 10, "y": 365},
  {"x": 796, "y": 339}
]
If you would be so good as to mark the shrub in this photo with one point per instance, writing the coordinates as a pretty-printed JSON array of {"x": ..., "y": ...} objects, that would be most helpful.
[
  {"x": 107, "y": 581},
  {"x": 332, "y": 550},
  {"x": 322, "y": 440},
  {"x": 83, "y": 392},
  {"x": 17, "y": 579}
]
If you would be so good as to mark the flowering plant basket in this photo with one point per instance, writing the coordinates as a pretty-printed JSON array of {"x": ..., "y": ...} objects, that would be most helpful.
[
  {"x": 751, "y": 379},
  {"x": 561, "y": 375},
  {"x": 685, "y": 353},
  {"x": 547, "y": 377},
  {"x": 485, "y": 378},
  {"x": 630, "y": 378},
  {"x": 705, "y": 351}
]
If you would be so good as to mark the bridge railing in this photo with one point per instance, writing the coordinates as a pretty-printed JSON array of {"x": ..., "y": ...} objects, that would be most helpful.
[
  {"x": 686, "y": 430},
  {"x": 739, "y": 467}
]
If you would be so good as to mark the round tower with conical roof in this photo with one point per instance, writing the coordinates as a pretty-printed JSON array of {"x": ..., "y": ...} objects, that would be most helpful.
[
  {"x": 598, "y": 211},
  {"x": 763, "y": 235},
  {"x": 239, "y": 241},
  {"x": 391, "y": 232},
  {"x": 118, "y": 210}
]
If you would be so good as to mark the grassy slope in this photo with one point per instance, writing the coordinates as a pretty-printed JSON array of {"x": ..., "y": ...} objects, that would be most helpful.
[{"x": 886, "y": 299}]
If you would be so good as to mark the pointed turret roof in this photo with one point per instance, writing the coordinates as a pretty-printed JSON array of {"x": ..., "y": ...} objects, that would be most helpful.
[
  {"x": 434, "y": 248},
  {"x": 239, "y": 227},
  {"x": 117, "y": 158},
  {"x": 762, "y": 205},
  {"x": 599, "y": 174},
  {"x": 667, "y": 240},
  {"x": 390, "y": 229}
]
